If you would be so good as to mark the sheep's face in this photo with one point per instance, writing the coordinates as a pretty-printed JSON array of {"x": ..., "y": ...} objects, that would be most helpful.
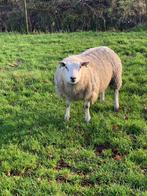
[{"x": 72, "y": 71}]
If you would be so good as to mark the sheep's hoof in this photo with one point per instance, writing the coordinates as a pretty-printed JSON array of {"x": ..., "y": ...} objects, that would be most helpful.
[
  {"x": 87, "y": 119},
  {"x": 102, "y": 99},
  {"x": 66, "y": 118},
  {"x": 116, "y": 109}
]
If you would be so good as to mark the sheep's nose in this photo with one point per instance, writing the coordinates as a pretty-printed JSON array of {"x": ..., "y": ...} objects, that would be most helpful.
[{"x": 73, "y": 79}]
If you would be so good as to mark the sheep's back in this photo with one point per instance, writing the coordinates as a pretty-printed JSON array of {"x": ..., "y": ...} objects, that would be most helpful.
[{"x": 102, "y": 61}]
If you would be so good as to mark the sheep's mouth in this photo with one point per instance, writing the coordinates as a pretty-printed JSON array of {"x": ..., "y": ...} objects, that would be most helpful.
[{"x": 72, "y": 83}]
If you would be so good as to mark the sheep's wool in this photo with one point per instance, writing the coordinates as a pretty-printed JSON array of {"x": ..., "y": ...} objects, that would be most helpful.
[{"x": 104, "y": 67}]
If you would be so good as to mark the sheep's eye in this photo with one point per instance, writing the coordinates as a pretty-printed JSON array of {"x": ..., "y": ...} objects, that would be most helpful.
[
  {"x": 80, "y": 67},
  {"x": 62, "y": 64}
]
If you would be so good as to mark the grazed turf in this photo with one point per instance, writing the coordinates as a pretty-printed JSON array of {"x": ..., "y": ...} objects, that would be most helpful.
[{"x": 42, "y": 155}]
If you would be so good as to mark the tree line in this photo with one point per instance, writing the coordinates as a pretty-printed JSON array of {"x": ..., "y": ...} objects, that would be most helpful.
[{"x": 71, "y": 15}]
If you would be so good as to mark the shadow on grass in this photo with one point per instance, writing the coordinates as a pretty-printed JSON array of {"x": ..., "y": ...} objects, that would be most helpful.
[
  {"x": 47, "y": 123},
  {"x": 18, "y": 126}
]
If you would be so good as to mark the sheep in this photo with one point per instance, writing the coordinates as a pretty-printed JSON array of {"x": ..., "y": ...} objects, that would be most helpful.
[{"x": 86, "y": 76}]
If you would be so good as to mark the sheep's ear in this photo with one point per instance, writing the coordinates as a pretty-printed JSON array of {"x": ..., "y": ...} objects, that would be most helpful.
[
  {"x": 84, "y": 64},
  {"x": 62, "y": 64}
]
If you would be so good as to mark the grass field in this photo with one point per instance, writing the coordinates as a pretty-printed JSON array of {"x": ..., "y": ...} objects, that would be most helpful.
[{"x": 40, "y": 154}]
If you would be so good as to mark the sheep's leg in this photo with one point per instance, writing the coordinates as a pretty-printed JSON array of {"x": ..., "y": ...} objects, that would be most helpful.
[
  {"x": 102, "y": 96},
  {"x": 86, "y": 109},
  {"x": 116, "y": 100},
  {"x": 117, "y": 82},
  {"x": 67, "y": 112}
]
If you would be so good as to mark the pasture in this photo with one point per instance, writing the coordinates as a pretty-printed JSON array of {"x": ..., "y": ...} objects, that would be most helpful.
[{"x": 40, "y": 154}]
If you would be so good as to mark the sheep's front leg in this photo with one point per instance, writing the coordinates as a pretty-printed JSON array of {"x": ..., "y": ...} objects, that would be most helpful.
[
  {"x": 67, "y": 112},
  {"x": 102, "y": 96},
  {"x": 116, "y": 100},
  {"x": 86, "y": 109}
]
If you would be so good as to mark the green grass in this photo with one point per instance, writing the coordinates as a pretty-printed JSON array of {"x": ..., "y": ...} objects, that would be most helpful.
[{"x": 40, "y": 154}]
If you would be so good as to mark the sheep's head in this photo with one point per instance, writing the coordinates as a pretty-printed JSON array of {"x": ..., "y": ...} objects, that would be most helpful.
[{"x": 72, "y": 71}]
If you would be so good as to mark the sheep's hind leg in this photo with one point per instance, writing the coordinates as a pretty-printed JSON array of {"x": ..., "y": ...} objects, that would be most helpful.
[
  {"x": 117, "y": 82},
  {"x": 102, "y": 96},
  {"x": 86, "y": 109},
  {"x": 116, "y": 100},
  {"x": 67, "y": 112}
]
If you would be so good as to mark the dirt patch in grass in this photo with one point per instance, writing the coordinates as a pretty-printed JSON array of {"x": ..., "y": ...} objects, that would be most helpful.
[
  {"x": 116, "y": 155},
  {"x": 87, "y": 182},
  {"x": 62, "y": 179},
  {"x": 62, "y": 164}
]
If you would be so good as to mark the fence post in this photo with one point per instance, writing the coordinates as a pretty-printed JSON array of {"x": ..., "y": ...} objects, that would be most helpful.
[{"x": 26, "y": 16}]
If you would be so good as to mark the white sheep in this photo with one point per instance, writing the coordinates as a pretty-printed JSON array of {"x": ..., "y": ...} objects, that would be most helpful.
[{"x": 87, "y": 75}]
